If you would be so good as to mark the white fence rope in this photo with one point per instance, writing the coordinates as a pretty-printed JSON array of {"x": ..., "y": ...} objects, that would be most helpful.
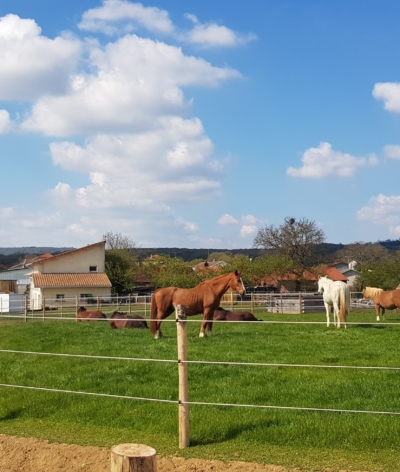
[
  {"x": 242, "y": 405},
  {"x": 175, "y": 361}
]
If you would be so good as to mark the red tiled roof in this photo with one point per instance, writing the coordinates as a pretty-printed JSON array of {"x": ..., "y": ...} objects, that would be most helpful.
[
  {"x": 71, "y": 280},
  {"x": 331, "y": 272}
]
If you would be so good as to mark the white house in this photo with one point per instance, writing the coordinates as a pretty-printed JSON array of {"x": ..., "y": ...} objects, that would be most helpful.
[{"x": 80, "y": 272}]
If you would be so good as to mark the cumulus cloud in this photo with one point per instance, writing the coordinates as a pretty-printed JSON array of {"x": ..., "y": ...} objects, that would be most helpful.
[
  {"x": 136, "y": 169},
  {"x": 137, "y": 82},
  {"x": 31, "y": 64},
  {"x": 117, "y": 112},
  {"x": 6, "y": 212},
  {"x": 210, "y": 35},
  {"x": 392, "y": 151},
  {"x": 115, "y": 16},
  {"x": 323, "y": 161},
  {"x": 248, "y": 230},
  {"x": 389, "y": 93},
  {"x": 5, "y": 122},
  {"x": 384, "y": 211},
  {"x": 227, "y": 220}
]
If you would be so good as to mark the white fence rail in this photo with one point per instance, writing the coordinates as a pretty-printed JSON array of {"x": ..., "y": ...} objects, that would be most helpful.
[{"x": 293, "y": 302}]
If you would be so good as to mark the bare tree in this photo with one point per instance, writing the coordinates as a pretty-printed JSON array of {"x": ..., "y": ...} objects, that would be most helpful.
[
  {"x": 119, "y": 241},
  {"x": 364, "y": 253},
  {"x": 294, "y": 239}
]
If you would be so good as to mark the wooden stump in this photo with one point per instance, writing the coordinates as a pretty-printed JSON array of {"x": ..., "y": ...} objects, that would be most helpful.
[{"x": 133, "y": 458}]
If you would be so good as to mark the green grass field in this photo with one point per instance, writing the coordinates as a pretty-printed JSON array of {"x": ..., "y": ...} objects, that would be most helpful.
[{"x": 305, "y": 439}]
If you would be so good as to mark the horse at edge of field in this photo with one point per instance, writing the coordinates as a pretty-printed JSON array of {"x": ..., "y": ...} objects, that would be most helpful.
[
  {"x": 383, "y": 299},
  {"x": 203, "y": 298},
  {"x": 336, "y": 294}
]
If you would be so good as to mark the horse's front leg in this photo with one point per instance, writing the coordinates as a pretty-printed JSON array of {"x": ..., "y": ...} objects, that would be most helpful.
[
  {"x": 158, "y": 333},
  {"x": 327, "y": 309},
  {"x": 206, "y": 325},
  {"x": 336, "y": 315}
]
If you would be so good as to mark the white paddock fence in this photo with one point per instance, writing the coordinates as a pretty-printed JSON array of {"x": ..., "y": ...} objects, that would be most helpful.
[
  {"x": 290, "y": 303},
  {"x": 183, "y": 362}
]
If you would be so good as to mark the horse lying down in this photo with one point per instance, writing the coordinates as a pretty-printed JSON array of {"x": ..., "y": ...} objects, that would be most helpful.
[
  {"x": 89, "y": 315},
  {"x": 224, "y": 315},
  {"x": 123, "y": 320}
]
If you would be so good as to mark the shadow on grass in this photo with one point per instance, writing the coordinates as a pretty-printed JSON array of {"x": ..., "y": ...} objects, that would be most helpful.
[
  {"x": 11, "y": 415},
  {"x": 365, "y": 326}
]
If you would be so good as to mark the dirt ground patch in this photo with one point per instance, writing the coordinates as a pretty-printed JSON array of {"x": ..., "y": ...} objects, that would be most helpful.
[{"x": 37, "y": 455}]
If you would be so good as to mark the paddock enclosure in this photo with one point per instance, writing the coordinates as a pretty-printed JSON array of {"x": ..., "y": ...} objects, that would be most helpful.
[{"x": 288, "y": 391}]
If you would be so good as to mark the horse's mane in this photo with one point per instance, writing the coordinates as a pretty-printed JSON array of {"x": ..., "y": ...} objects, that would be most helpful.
[
  {"x": 371, "y": 291},
  {"x": 215, "y": 279}
]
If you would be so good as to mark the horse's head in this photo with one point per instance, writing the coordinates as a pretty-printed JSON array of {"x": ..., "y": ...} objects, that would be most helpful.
[
  {"x": 321, "y": 284},
  {"x": 237, "y": 283},
  {"x": 80, "y": 309}
]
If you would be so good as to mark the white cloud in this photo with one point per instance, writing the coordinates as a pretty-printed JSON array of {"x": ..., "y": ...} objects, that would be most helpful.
[
  {"x": 32, "y": 65},
  {"x": 324, "y": 162},
  {"x": 6, "y": 212},
  {"x": 5, "y": 122},
  {"x": 136, "y": 170},
  {"x": 247, "y": 231},
  {"x": 392, "y": 151},
  {"x": 210, "y": 35},
  {"x": 136, "y": 82},
  {"x": 389, "y": 93},
  {"x": 227, "y": 220},
  {"x": 382, "y": 210},
  {"x": 249, "y": 219},
  {"x": 115, "y": 16}
]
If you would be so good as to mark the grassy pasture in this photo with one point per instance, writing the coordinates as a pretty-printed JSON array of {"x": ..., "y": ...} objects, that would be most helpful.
[{"x": 305, "y": 439}]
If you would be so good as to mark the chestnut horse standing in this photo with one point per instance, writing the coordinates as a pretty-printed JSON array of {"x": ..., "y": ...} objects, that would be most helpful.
[
  {"x": 84, "y": 315},
  {"x": 123, "y": 320},
  {"x": 383, "y": 299},
  {"x": 204, "y": 298},
  {"x": 224, "y": 315}
]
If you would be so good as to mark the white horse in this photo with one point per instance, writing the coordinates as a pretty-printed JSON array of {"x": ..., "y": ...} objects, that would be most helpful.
[{"x": 336, "y": 294}]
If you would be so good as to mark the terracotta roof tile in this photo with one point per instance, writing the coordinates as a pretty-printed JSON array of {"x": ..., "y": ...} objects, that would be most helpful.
[{"x": 71, "y": 280}]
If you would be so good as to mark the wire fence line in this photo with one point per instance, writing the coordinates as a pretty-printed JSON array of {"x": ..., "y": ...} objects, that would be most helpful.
[
  {"x": 182, "y": 362},
  {"x": 174, "y": 361},
  {"x": 188, "y": 362}
]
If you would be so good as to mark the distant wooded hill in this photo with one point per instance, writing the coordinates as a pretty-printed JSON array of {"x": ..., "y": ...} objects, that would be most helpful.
[{"x": 10, "y": 256}]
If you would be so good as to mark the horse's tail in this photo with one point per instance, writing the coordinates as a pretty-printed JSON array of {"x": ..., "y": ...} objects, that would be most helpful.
[
  {"x": 153, "y": 314},
  {"x": 344, "y": 303}
]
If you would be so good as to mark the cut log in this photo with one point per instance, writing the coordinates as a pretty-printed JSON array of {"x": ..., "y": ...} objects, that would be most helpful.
[{"x": 133, "y": 458}]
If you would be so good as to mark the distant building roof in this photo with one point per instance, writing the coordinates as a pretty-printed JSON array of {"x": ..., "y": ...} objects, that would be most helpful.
[
  {"x": 44, "y": 257},
  {"x": 71, "y": 280},
  {"x": 210, "y": 265}
]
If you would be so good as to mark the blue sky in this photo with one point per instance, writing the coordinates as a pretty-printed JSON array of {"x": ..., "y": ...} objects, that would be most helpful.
[{"x": 194, "y": 124}]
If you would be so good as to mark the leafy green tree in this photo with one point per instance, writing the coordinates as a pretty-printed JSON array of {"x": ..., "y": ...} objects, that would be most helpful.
[
  {"x": 166, "y": 271},
  {"x": 385, "y": 274},
  {"x": 119, "y": 267}
]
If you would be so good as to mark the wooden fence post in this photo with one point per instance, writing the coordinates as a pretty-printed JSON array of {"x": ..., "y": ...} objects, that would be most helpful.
[
  {"x": 184, "y": 426},
  {"x": 133, "y": 458},
  {"x": 252, "y": 303},
  {"x": 26, "y": 308},
  {"x": 301, "y": 311},
  {"x": 43, "y": 307}
]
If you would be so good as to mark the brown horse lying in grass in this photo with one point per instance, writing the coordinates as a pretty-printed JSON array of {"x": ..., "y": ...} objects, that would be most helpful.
[
  {"x": 84, "y": 315},
  {"x": 123, "y": 320},
  {"x": 224, "y": 315}
]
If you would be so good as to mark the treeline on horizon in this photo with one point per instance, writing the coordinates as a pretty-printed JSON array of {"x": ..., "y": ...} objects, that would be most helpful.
[{"x": 12, "y": 256}]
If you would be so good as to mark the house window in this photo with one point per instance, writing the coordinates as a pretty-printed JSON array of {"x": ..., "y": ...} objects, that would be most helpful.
[
  {"x": 59, "y": 296},
  {"x": 86, "y": 295},
  {"x": 93, "y": 269}
]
